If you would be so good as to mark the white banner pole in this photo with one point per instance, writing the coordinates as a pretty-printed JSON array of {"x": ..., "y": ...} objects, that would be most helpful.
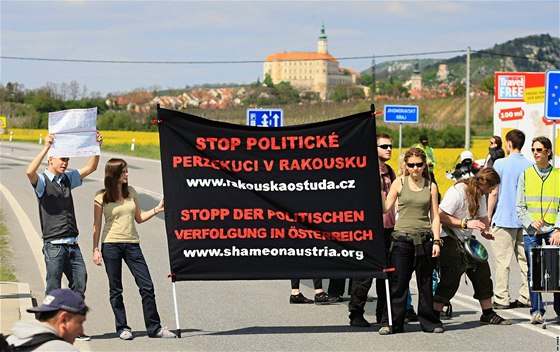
[
  {"x": 176, "y": 311},
  {"x": 388, "y": 294}
]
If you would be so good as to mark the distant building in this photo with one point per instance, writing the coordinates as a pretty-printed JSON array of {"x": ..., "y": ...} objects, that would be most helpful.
[
  {"x": 416, "y": 78},
  {"x": 309, "y": 71},
  {"x": 442, "y": 73}
]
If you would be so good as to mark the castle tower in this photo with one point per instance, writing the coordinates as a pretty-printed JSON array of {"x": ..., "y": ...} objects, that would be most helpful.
[
  {"x": 322, "y": 42},
  {"x": 416, "y": 78}
]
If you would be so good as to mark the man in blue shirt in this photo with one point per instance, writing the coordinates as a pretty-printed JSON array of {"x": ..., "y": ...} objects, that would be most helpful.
[
  {"x": 505, "y": 225},
  {"x": 58, "y": 220}
]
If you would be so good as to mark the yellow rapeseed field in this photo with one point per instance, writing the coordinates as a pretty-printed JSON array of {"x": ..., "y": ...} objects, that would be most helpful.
[
  {"x": 447, "y": 158},
  {"x": 109, "y": 137}
]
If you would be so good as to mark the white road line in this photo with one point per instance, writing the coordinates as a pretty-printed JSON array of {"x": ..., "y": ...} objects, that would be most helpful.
[
  {"x": 33, "y": 238},
  {"x": 508, "y": 314}
]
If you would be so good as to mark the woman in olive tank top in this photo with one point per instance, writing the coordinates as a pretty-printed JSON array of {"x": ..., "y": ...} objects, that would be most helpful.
[{"x": 415, "y": 242}]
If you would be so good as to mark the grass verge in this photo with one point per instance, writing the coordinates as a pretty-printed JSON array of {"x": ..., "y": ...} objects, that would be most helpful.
[
  {"x": 144, "y": 151},
  {"x": 7, "y": 272}
]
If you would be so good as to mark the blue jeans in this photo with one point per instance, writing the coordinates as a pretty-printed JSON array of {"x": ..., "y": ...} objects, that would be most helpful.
[
  {"x": 113, "y": 256},
  {"x": 536, "y": 297},
  {"x": 65, "y": 259}
]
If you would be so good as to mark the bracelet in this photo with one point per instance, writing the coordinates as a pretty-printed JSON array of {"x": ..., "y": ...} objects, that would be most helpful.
[
  {"x": 155, "y": 212},
  {"x": 437, "y": 243},
  {"x": 465, "y": 223}
]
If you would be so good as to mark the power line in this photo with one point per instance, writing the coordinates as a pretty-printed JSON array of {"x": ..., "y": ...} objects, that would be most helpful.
[
  {"x": 212, "y": 62},
  {"x": 222, "y": 62}
]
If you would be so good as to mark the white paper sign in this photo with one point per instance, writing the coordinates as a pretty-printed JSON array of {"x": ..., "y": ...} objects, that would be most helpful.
[{"x": 75, "y": 132}]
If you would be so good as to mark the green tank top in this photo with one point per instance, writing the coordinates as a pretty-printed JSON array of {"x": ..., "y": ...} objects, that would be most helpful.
[{"x": 414, "y": 209}]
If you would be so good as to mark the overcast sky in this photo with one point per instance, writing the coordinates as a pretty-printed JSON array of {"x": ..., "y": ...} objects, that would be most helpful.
[{"x": 240, "y": 30}]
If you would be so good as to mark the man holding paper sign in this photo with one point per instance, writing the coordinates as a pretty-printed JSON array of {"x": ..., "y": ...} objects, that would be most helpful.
[{"x": 58, "y": 221}]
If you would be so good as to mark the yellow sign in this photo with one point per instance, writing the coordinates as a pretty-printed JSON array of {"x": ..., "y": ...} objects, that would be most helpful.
[
  {"x": 3, "y": 125},
  {"x": 534, "y": 95}
]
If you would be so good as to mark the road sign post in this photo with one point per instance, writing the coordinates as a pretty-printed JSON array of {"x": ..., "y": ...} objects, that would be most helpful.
[
  {"x": 400, "y": 114},
  {"x": 265, "y": 117},
  {"x": 552, "y": 102}
]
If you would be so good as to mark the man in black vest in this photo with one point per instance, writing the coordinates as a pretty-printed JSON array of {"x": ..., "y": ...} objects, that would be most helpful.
[{"x": 58, "y": 220}]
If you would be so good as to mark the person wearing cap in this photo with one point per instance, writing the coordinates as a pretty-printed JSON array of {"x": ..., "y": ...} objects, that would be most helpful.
[
  {"x": 61, "y": 315},
  {"x": 53, "y": 189},
  {"x": 430, "y": 155},
  {"x": 506, "y": 226},
  {"x": 464, "y": 169}
]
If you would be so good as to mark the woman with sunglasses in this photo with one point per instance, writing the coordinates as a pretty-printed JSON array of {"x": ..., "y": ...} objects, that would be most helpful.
[
  {"x": 118, "y": 202},
  {"x": 538, "y": 205},
  {"x": 462, "y": 211},
  {"x": 414, "y": 242}
]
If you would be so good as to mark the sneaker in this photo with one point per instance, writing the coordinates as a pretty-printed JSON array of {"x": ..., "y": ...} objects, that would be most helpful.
[
  {"x": 126, "y": 334},
  {"x": 410, "y": 316},
  {"x": 83, "y": 337},
  {"x": 337, "y": 299},
  {"x": 493, "y": 319},
  {"x": 164, "y": 333},
  {"x": 446, "y": 314},
  {"x": 500, "y": 306},
  {"x": 517, "y": 304},
  {"x": 438, "y": 330},
  {"x": 359, "y": 322},
  {"x": 324, "y": 298},
  {"x": 299, "y": 299},
  {"x": 536, "y": 318},
  {"x": 384, "y": 330}
]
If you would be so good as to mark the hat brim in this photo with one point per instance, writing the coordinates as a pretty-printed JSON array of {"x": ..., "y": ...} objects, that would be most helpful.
[{"x": 41, "y": 309}]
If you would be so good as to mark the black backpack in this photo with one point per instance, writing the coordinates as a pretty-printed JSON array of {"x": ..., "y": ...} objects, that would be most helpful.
[{"x": 36, "y": 341}]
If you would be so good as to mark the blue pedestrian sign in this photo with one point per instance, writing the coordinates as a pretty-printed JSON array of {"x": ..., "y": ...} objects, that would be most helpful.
[
  {"x": 401, "y": 113},
  {"x": 552, "y": 95},
  {"x": 264, "y": 118}
]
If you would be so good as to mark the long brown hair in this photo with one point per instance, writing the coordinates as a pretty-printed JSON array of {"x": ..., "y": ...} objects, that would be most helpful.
[
  {"x": 417, "y": 152},
  {"x": 485, "y": 177},
  {"x": 113, "y": 171}
]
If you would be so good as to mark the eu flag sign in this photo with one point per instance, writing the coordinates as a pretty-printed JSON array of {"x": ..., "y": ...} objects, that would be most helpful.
[{"x": 552, "y": 95}]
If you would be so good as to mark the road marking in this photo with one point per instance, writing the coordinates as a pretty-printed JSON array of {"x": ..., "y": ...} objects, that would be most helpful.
[
  {"x": 33, "y": 238},
  {"x": 508, "y": 314}
]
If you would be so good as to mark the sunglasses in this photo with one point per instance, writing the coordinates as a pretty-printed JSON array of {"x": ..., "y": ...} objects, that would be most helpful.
[
  {"x": 538, "y": 150},
  {"x": 412, "y": 165},
  {"x": 385, "y": 146}
]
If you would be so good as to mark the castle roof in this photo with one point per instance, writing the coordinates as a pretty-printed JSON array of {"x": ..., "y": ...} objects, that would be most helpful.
[{"x": 299, "y": 56}]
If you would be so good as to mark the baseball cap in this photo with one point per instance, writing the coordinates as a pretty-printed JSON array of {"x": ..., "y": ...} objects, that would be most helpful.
[
  {"x": 466, "y": 155},
  {"x": 62, "y": 299},
  {"x": 423, "y": 137}
]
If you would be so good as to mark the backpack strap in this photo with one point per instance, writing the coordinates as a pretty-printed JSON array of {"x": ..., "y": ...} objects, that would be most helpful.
[{"x": 36, "y": 341}]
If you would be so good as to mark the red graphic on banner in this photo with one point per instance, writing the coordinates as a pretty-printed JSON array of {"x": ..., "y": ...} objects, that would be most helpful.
[
  {"x": 547, "y": 121},
  {"x": 511, "y": 114}
]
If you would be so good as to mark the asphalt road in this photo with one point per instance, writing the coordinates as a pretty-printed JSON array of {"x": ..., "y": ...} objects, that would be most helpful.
[{"x": 229, "y": 315}]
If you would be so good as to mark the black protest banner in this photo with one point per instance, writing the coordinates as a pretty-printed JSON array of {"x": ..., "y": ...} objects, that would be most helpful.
[{"x": 245, "y": 202}]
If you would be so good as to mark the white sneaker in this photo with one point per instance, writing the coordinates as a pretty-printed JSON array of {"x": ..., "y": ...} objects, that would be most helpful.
[
  {"x": 536, "y": 318},
  {"x": 164, "y": 333},
  {"x": 83, "y": 337},
  {"x": 126, "y": 335}
]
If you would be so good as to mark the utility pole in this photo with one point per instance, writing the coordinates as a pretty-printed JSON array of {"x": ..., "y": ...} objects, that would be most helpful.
[
  {"x": 468, "y": 107},
  {"x": 372, "y": 78}
]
